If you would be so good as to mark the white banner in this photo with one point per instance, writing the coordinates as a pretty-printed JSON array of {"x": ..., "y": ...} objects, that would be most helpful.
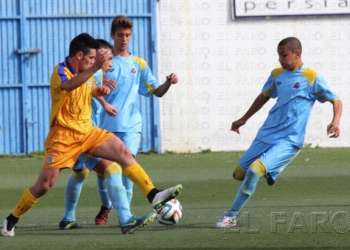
[{"x": 271, "y": 8}]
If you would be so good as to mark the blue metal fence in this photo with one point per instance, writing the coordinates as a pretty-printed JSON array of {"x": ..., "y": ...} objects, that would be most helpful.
[{"x": 35, "y": 36}]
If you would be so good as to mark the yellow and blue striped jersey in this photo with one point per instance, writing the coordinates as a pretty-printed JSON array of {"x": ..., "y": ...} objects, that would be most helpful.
[
  {"x": 296, "y": 93},
  {"x": 70, "y": 109}
]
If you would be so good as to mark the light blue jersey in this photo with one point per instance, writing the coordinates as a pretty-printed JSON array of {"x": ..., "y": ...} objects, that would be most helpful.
[
  {"x": 296, "y": 93},
  {"x": 96, "y": 105},
  {"x": 133, "y": 77}
]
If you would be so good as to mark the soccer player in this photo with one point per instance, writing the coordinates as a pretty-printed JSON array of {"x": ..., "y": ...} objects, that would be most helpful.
[
  {"x": 281, "y": 137},
  {"x": 72, "y": 132},
  {"x": 133, "y": 77},
  {"x": 85, "y": 164}
]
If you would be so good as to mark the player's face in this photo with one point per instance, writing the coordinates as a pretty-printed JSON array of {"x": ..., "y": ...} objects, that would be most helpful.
[
  {"x": 288, "y": 59},
  {"x": 86, "y": 61},
  {"x": 107, "y": 64},
  {"x": 121, "y": 39}
]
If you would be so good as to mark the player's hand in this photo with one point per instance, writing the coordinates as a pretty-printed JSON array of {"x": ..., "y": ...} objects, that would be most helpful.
[
  {"x": 172, "y": 78},
  {"x": 109, "y": 83},
  {"x": 102, "y": 90},
  {"x": 101, "y": 57},
  {"x": 333, "y": 130},
  {"x": 110, "y": 109},
  {"x": 236, "y": 125}
]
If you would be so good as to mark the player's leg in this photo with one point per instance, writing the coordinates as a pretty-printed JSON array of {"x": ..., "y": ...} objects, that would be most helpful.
[
  {"x": 132, "y": 142},
  {"x": 250, "y": 169},
  {"x": 101, "y": 218},
  {"x": 29, "y": 198},
  {"x": 278, "y": 158},
  {"x": 256, "y": 149},
  {"x": 63, "y": 148},
  {"x": 73, "y": 189},
  {"x": 112, "y": 148},
  {"x": 117, "y": 194}
]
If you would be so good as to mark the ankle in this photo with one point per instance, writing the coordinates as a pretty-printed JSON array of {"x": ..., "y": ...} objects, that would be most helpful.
[{"x": 152, "y": 194}]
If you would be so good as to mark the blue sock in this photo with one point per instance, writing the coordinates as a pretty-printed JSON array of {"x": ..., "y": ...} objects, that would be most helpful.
[
  {"x": 245, "y": 191},
  {"x": 117, "y": 195},
  {"x": 73, "y": 190},
  {"x": 102, "y": 190},
  {"x": 129, "y": 185}
]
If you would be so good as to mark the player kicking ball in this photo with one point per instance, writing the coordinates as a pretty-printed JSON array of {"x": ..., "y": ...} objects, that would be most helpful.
[
  {"x": 281, "y": 137},
  {"x": 71, "y": 131}
]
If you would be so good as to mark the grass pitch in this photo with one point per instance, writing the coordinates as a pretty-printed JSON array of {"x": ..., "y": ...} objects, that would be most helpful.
[{"x": 307, "y": 208}]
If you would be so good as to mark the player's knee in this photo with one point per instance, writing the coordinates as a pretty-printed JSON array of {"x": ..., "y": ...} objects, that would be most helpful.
[
  {"x": 239, "y": 174},
  {"x": 259, "y": 167},
  {"x": 39, "y": 189},
  {"x": 112, "y": 169},
  {"x": 81, "y": 174}
]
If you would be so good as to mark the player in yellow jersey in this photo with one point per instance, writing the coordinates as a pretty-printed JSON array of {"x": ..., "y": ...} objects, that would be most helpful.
[
  {"x": 72, "y": 132},
  {"x": 113, "y": 193}
]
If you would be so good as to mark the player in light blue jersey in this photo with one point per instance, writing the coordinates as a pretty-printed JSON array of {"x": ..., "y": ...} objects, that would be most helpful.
[
  {"x": 281, "y": 137},
  {"x": 134, "y": 78}
]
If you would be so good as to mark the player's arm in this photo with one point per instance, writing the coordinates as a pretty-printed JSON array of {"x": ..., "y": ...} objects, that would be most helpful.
[
  {"x": 258, "y": 103},
  {"x": 82, "y": 77},
  {"x": 162, "y": 89},
  {"x": 98, "y": 92},
  {"x": 333, "y": 129}
]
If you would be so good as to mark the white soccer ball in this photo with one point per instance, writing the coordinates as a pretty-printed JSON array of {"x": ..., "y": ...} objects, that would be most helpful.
[{"x": 170, "y": 213}]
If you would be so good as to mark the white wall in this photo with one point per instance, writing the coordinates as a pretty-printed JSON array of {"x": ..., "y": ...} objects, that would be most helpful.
[{"x": 223, "y": 63}]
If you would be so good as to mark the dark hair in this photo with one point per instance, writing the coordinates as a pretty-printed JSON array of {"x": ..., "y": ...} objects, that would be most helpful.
[
  {"x": 84, "y": 43},
  {"x": 104, "y": 44},
  {"x": 121, "y": 22},
  {"x": 293, "y": 43}
]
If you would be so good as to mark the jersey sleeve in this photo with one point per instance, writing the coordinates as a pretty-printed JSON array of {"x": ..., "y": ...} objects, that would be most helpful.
[
  {"x": 148, "y": 83},
  {"x": 269, "y": 89},
  {"x": 58, "y": 76},
  {"x": 322, "y": 90}
]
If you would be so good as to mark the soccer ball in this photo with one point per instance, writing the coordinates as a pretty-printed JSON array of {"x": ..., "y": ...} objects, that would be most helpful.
[{"x": 170, "y": 213}]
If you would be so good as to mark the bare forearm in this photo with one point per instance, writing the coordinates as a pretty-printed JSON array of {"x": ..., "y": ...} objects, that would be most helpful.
[
  {"x": 255, "y": 107},
  {"x": 99, "y": 98},
  {"x": 162, "y": 89},
  {"x": 337, "y": 111},
  {"x": 78, "y": 80}
]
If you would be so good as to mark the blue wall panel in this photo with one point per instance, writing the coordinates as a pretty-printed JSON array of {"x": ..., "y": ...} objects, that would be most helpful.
[{"x": 49, "y": 25}]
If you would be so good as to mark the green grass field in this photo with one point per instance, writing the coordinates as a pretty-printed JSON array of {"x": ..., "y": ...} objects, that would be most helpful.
[{"x": 299, "y": 212}]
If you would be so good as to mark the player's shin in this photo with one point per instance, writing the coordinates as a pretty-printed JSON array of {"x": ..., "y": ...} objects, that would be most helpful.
[
  {"x": 246, "y": 190},
  {"x": 26, "y": 202},
  {"x": 128, "y": 184},
  {"x": 73, "y": 190},
  {"x": 116, "y": 192},
  {"x": 137, "y": 175},
  {"x": 102, "y": 190}
]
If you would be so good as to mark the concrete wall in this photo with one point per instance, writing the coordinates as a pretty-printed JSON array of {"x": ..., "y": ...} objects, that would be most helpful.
[{"x": 223, "y": 63}]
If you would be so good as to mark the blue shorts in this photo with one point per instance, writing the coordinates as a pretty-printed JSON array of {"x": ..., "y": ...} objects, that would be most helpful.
[
  {"x": 276, "y": 157},
  {"x": 131, "y": 140},
  {"x": 85, "y": 160}
]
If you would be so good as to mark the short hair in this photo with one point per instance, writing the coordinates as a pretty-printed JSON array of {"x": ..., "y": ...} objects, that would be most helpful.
[
  {"x": 104, "y": 44},
  {"x": 121, "y": 22},
  {"x": 84, "y": 43},
  {"x": 293, "y": 43}
]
